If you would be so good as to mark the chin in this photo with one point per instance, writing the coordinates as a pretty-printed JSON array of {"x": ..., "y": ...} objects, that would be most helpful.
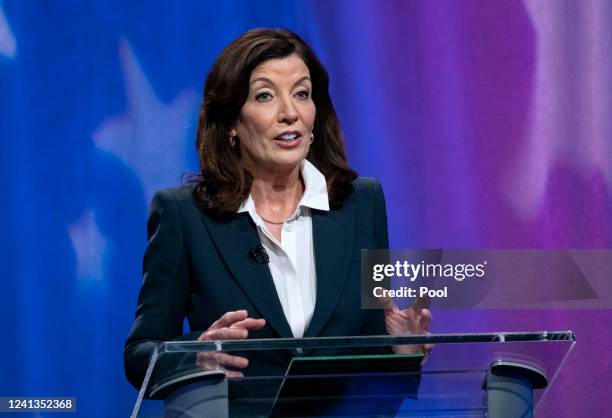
[
  {"x": 286, "y": 163},
  {"x": 289, "y": 160}
]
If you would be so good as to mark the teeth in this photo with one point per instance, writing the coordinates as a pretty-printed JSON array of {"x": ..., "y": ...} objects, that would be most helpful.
[{"x": 289, "y": 137}]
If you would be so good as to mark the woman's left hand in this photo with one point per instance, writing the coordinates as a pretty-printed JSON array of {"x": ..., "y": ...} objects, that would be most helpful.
[{"x": 410, "y": 321}]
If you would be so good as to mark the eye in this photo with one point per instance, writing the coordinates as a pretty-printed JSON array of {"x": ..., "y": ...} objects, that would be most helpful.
[
  {"x": 303, "y": 94},
  {"x": 263, "y": 96}
]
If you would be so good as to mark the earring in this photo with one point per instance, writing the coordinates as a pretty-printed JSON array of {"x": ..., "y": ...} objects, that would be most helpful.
[
  {"x": 311, "y": 138},
  {"x": 232, "y": 141}
]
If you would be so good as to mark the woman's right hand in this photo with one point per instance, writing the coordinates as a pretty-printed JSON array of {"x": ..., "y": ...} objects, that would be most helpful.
[{"x": 233, "y": 325}]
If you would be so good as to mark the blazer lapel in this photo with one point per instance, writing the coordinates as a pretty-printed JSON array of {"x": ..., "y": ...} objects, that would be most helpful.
[
  {"x": 234, "y": 240},
  {"x": 333, "y": 238}
]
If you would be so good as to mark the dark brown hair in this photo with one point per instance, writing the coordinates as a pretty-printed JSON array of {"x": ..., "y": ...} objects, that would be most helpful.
[{"x": 223, "y": 183}]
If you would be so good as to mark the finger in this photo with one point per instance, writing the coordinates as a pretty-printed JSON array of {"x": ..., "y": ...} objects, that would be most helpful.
[
  {"x": 425, "y": 358},
  {"x": 207, "y": 360},
  {"x": 388, "y": 303},
  {"x": 420, "y": 303},
  {"x": 406, "y": 349},
  {"x": 249, "y": 323},
  {"x": 216, "y": 360},
  {"x": 227, "y": 360},
  {"x": 426, "y": 349},
  {"x": 224, "y": 334},
  {"x": 403, "y": 315},
  {"x": 227, "y": 334},
  {"x": 399, "y": 321},
  {"x": 232, "y": 374},
  {"x": 424, "y": 320},
  {"x": 201, "y": 359},
  {"x": 229, "y": 318},
  {"x": 427, "y": 314}
]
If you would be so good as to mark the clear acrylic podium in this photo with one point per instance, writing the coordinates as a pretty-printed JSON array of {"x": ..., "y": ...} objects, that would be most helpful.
[{"x": 497, "y": 375}]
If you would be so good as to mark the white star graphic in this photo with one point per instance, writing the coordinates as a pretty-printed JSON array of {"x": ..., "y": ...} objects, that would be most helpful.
[
  {"x": 570, "y": 123},
  {"x": 8, "y": 45},
  {"x": 89, "y": 246},
  {"x": 151, "y": 137}
]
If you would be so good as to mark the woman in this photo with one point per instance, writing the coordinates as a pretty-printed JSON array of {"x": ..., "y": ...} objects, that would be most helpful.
[{"x": 266, "y": 242}]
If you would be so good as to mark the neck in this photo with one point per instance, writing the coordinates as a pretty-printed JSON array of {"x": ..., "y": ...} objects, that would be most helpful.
[{"x": 277, "y": 194}]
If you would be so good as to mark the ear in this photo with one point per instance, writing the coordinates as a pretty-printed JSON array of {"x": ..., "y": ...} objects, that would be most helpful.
[{"x": 233, "y": 132}]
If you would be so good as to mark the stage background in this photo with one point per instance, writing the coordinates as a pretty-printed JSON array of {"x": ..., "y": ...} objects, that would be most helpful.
[{"x": 487, "y": 122}]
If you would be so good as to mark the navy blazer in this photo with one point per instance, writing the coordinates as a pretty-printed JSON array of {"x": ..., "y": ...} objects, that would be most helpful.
[{"x": 200, "y": 268}]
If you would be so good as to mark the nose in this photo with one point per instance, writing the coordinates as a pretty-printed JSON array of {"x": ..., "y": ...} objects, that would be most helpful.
[{"x": 287, "y": 112}]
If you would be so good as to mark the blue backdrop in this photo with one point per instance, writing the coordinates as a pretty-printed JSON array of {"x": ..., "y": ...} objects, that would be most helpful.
[{"x": 488, "y": 124}]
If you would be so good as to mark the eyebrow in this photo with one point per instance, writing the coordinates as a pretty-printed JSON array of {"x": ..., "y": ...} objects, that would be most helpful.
[{"x": 267, "y": 80}]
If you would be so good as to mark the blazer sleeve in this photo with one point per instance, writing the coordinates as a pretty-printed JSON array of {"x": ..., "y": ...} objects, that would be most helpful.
[
  {"x": 164, "y": 294},
  {"x": 374, "y": 323},
  {"x": 381, "y": 231}
]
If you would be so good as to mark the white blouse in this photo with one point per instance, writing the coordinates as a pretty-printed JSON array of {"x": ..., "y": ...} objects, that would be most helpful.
[{"x": 292, "y": 260}]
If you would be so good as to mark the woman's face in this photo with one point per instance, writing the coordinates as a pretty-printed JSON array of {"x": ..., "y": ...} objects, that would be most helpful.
[{"x": 278, "y": 116}]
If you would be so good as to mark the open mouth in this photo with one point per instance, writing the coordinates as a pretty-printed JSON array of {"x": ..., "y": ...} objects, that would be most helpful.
[{"x": 289, "y": 139}]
